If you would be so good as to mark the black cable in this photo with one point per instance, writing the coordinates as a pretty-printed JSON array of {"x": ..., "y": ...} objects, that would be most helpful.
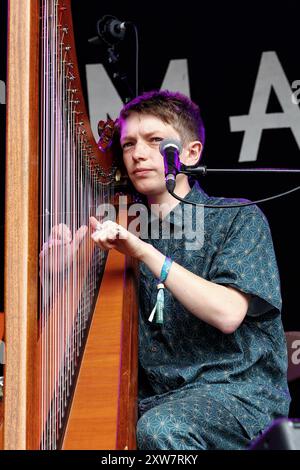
[{"x": 226, "y": 206}]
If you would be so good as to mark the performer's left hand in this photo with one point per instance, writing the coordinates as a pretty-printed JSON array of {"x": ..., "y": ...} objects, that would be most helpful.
[
  {"x": 60, "y": 250},
  {"x": 110, "y": 235}
]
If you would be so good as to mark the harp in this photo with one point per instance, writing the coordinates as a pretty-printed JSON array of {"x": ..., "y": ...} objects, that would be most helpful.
[{"x": 70, "y": 325}]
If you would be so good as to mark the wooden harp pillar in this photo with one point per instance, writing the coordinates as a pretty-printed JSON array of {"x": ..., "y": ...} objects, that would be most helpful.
[{"x": 101, "y": 409}]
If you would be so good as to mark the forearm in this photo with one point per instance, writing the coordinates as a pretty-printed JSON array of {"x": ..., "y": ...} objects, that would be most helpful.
[{"x": 220, "y": 306}]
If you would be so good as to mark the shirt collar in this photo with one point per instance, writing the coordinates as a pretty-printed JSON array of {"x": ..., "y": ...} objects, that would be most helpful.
[{"x": 196, "y": 194}]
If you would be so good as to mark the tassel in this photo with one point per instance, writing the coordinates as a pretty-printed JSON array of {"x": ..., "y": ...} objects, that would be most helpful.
[
  {"x": 160, "y": 299},
  {"x": 159, "y": 306}
]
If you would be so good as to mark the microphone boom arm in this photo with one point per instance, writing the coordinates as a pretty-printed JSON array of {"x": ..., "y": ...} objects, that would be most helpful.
[{"x": 203, "y": 170}]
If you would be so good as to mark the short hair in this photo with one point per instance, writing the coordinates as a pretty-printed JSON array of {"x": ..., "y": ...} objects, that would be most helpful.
[{"x": 172, "y": 108}]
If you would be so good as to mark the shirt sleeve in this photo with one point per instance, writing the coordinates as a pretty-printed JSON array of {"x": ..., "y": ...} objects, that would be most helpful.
[{"x": 247, "y": 261}]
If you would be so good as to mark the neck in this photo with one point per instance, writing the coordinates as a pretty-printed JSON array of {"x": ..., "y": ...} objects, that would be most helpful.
[{"x": 166, "y": 201}]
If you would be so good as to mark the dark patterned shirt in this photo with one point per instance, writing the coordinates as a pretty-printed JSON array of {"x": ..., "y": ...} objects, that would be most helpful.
[{"x": 245, "y": 370}]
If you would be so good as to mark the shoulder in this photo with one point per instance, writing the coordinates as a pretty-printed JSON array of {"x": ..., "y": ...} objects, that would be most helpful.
[{"x": 245, "y": 211}]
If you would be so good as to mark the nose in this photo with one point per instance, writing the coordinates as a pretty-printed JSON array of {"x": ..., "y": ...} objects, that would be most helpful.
[{"x": 139, "y": 152}]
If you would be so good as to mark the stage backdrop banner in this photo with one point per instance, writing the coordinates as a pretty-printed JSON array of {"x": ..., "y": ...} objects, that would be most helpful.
[{"x": 240, "y": 62}]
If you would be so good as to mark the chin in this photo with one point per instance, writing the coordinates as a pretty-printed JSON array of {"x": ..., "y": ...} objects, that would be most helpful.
[{"x": 148, "y": 188}]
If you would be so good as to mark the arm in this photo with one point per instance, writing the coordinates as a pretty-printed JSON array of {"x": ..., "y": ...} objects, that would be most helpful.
[{"x": 220, "y": 306}]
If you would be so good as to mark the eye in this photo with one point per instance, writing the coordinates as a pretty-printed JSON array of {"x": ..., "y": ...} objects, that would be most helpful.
[
  {"x": 126, "y": 145},
  {"x": 156, "y": 139}
]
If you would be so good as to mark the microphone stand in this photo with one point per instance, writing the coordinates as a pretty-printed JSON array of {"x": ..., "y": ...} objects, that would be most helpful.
[
  {"x": 111, "y": 32},
  {"x": 203, "y": 170},
  {"x": 119, "y": 77}
]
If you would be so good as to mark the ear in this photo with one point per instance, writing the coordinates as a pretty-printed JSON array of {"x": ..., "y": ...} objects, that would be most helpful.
[{"x": 192, "y": 153}]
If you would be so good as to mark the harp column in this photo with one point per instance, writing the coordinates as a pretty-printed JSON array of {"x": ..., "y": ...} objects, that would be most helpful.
[{"x": 21, "y": 226}]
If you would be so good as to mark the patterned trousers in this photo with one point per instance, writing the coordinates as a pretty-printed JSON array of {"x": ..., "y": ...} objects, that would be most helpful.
[{"x": 189, "y": 421}]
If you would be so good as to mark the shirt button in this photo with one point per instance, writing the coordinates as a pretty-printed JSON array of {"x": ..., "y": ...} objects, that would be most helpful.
[
  {"x": 151, "y": 376},
  {"x": 153, "y": 349}
]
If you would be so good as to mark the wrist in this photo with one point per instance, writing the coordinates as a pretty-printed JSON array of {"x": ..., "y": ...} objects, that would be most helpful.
[
  {"x": 153, "y": 258},
  {"x": 146, "y": 252}
]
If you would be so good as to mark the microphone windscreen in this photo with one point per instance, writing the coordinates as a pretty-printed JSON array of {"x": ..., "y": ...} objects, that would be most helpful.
[{"x": 168, "y": 144}]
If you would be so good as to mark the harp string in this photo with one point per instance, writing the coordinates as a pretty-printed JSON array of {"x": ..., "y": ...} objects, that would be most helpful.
[{"x": 70, "y": 191}]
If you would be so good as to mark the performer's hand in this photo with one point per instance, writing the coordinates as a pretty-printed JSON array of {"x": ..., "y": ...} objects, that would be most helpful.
[
  {"x": 110, "y": 235},
  {"x": 60, "y": 250}
]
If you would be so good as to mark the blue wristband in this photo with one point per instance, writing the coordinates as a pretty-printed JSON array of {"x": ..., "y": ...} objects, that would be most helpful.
[{"x": 165, "y": 269}]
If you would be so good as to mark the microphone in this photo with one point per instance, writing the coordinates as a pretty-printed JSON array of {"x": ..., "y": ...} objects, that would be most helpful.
[
  {"x": 170, "y": 150},
  {"x": 110, "y": 29}
]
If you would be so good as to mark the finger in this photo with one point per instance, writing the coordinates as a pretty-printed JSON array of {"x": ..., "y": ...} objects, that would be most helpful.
[
  {"x": 51, "y": 244},
  {"x": 113, "y": 229},
  {"x": 99, "y": 237},
  {"x": 61, "y": 232},
  {"x": 108, "y": 246},
  {"x": 123, "y": 234},
  {"x": 79, "y": 236},
  {"x": 93, "y": 222},
  {"x": 112, "y": 233},
  {"x": 101, "y": 243},
  {"x": 109, "y": 224},
  {"x": 107, "y": 237}
]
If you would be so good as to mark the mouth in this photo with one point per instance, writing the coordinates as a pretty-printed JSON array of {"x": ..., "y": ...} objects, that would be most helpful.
[{"x": 142, "y": 171}]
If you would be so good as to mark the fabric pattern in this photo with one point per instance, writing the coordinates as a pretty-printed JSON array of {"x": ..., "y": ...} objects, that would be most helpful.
[
  {"x": 243, "y": 374},
  {"x": 175, "y": 424}
]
